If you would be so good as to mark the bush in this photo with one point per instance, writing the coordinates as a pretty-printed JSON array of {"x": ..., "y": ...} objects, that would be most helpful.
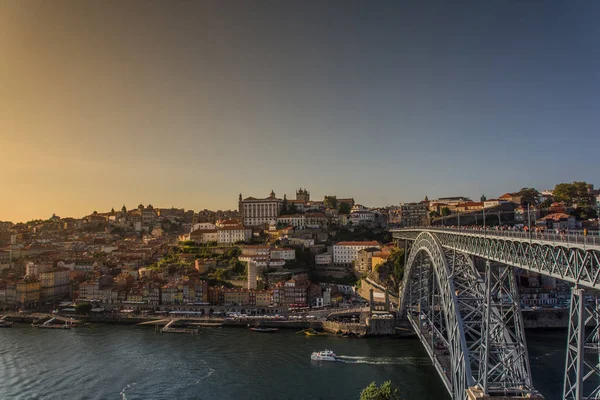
[{"x": 383, "y": 392}]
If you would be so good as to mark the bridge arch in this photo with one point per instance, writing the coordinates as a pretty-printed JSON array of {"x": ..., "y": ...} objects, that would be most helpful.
[{"x": 429, "y": 280}]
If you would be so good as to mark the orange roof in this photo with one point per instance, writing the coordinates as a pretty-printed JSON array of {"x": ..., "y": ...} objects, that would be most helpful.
[{"x": 555, "y": 217}]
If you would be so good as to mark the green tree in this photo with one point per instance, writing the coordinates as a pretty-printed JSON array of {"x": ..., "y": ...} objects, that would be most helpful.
[
  {"x": 330, "y": 202},
  {"x": 383, "y": 392},
  {"x": 573, "y": 193},
  {"x": 83, "y": 308},
  {"x": 445, "y": 211},
  {"x": 344, "y": 208},
  {"x": 434, "y": 214},
  {"x": 529, "y": 196},
  {"x": 546, "y": 204}
]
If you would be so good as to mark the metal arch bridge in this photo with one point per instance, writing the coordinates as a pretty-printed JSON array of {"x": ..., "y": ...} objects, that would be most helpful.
[{"x": 460, "y": 294}]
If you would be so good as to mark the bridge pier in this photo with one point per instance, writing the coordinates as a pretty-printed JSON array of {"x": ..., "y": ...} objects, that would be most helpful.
[
  {"x": 477, "y": 393},
  {"x": 582, "y": 366}
]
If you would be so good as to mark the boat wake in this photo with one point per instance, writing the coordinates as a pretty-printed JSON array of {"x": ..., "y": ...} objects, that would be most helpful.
[
  {"x": 383, "y": 360},
  {"x": 122, "y": 393}
]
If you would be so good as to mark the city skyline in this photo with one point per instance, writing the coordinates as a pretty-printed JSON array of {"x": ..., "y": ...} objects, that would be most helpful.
[{"x": 188, "y": 105}]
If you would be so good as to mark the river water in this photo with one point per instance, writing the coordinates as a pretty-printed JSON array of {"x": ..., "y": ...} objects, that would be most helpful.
[{"x": 123, "y": 362}]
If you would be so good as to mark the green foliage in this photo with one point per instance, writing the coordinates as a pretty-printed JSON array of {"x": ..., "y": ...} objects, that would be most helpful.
[
  {"x": 237, "y": 266},
  {"x": 396, "y": 261},
  {"x": 344, "y": 208},
  {"x": 544, "y": 205},
  {"x": 330, "y": 202},
  {"x": 445, "y": 211},
  {"x": 83, "y": 308},
  {"x": 383, "y": 392},
  {"x": 529, "y": 196},
  {"x": 434, "y": 214},
  {"x": 573, "y": 193}
]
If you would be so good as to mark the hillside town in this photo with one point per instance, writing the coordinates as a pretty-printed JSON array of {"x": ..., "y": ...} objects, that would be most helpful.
[{"x": 271, "y": 255}]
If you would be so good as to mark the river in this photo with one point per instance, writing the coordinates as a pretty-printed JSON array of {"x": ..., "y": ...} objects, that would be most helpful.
[{"x": 130, "y": 362}]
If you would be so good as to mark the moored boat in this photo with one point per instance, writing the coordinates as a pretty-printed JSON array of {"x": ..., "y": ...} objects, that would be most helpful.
[
  {"x": 5, "y": 324},
  {"x": 312, "y": 332},
  {"x": 264, "y": 330}
]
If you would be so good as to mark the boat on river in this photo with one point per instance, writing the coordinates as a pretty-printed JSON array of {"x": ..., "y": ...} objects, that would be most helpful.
[
  {"x": 5, "y": 324},
  {"x": 312, "y": 332},
  {"x": 264, "y": 330},
  {"x": 324, "y": 355}
]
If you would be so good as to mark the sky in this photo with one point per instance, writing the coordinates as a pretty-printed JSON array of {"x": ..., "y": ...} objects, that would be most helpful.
[{"x": 189, "y": 103}]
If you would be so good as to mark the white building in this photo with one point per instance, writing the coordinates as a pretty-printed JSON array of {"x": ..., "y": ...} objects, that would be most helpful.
[
  {"x": 233, "y": 234},
  {"x": 347, "y": 252},
  {"x": 203, "y": 226},
  {"x": 323, "y": 259},
  {"x": 256, "y": 212}
]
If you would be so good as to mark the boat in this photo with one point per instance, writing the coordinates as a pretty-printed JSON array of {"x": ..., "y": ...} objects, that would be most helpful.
[
  {"x": 325, "y": 355},
  {"x": 264, "y": 330},
  {"x": 5, "y": 324},
  {"x": 312, "y": 332}
]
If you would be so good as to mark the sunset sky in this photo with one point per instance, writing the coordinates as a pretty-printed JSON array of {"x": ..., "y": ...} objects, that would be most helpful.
[{"x": 189, "y": 103}]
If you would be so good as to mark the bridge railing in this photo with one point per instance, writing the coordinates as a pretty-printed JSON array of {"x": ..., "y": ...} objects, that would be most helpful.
[{"x": 568, "y": 238}]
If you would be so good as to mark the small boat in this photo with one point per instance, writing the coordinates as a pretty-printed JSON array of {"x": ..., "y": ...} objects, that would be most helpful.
[
  {"x": 312, "y": 332},
  {"x": 5, "y": 324},
  {"x": 325, "y": 355},
  {"x": 264, "y": 330}
]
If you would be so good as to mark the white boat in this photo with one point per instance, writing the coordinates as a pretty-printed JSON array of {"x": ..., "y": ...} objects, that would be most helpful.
[{"x": 325, "y": 355}]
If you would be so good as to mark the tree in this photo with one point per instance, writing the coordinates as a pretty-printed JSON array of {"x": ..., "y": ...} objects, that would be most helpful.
[
  {"x": 445, "y": 211},
  {"x": 383, "y": 392},
  {"x": 344, "y": 208},
  {"x": 285, "y": 203},
  {"x": 546, "y": 204},
  {"x": 529, "y": 196},
  {"x": 83, "y": 308},
  {"x": 330, "y": 202},
  {"x": 573, "y": 193},
  {"x": 434, "y": 214},
  {"x": 112, "y": 210}
]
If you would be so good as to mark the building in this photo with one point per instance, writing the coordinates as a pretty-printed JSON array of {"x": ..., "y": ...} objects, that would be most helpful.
[
  {"x": 414, "y": 214},
  {"x": 324, "y": 259},
  {"x": 469, "y": 206},
  {"x": 379, "y": 258},
  {"x": 558, "y": 221},
  {"x": 302, "y": 195},
  {"x": 283, "y": 254},
  {"x": 347, "y": 252},
  {"x": 233, "y": 234},
  {"x": 257, "y": 212},
  {"x": 525, "y": 215},
  {"x": 296, "y": 293},
  {"x": 363, "y": 263},
  {"x": 252, "y": 272},
  {"x": 55, "y": 284}
]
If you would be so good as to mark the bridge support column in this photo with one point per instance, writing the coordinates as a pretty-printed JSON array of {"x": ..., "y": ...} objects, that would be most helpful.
[
  {"x": 582, "y": 374},
  {"x": 504, "y": 366}
]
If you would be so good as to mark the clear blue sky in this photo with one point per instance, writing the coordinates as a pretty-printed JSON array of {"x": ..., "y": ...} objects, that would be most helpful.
[{"x": 189, "y": 103}]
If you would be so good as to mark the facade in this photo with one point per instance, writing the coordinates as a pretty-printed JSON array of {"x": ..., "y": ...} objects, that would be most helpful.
[
  {"x": 469, "y": 206},
  {"x": 296, "y": 293},
  {"x": 257, "y": 212},
  {"x": 414, "y": 214},
  {"x": 252, "y": 272},
  {"x": 283, "y": 254},
  {"x": 347, "y": 252},
  {"x": 233, "y": 234},
  {"x": 302, "y": 195},
  {"x": 55, "y": 284},
  {"x": 364, "y": 260}
]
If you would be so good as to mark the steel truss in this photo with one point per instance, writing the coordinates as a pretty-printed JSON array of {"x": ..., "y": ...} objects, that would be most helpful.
[
  {"x": 471, "y": 330},
  {"x": 582, "y": 367},
  {"x": 573, "y": 264}
]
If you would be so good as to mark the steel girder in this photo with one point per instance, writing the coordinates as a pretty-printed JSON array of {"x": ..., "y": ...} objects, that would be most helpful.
[
  {"x": 582, "y": 366},
  {"x": 480, "y": 325},
  {"x": 506, "y": 371},
  {"x": 572, "y": 264},
  {"x": 429, "y": 289}
]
